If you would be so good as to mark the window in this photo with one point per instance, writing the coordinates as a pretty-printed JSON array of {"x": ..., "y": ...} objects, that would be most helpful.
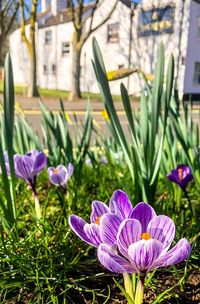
[
  {"x": 45, "y": 71},
  {"x": 198, "y": 28},
  {"x": 53, "y": 69},
  {"x": 48, "y": 37},
  {"x": 65, "y": 48},
  {"x": 120, "y": 66},
  {"x": 113, "y": 32},
  {"x": 196, "y": 79},
  {"x": 156, "y": 21}
]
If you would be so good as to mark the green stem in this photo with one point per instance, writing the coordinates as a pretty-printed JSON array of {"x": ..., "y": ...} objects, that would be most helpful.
[
  {"x": 37, "y": 206},
  {"x": 189, "y": 202},
  {"x": 128, "y": 284},
  {"x": 139, "y": 291}
]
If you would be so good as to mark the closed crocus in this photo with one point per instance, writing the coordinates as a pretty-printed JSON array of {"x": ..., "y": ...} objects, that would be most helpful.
[
  {"x": 182, "y": 175},
  {"x": 104, "y": 220},
  {"x": 27, "y": 167},
  {"x": 60, "y": 175}
]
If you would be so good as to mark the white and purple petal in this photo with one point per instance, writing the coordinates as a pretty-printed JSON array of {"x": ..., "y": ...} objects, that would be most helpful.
[
  {"x": 24, "y": 165},
  {"x": 177, "y": 254},
  {"x": 98, "y": 209},
  {"x": 39, "y": 162},
  {"x": 120, "y": 204},
  {"x": 77, "y": 224},
  {"x": 144, "y": 213},
  {"x": 162, "y": 228},
  {"x": 92, "y": 232},
  {"x": 112, "y": 261},
  {"x": 129, "y": 232},
  {"x": 109, "y": 226},
  {"x": 144, "y": 253},
  {"x": 70, "y": 170}
]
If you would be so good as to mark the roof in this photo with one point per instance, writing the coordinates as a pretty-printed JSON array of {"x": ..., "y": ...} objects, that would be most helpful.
[
  {"x": 47, "y": 19},
  {"x": 63, "y": 16}
]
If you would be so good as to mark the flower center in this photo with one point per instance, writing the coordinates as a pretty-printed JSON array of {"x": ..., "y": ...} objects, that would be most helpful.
[
  {"x": 98, "y": 220},
  {"x": 146, "y": 236},
  {"x": 55, "y": 170},
  {"x": 180, "y": 174}
]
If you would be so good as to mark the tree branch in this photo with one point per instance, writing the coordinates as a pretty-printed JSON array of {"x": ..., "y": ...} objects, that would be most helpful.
[
  {"x": 91, "y": 30},
  {"x": 12, "y": 19}
]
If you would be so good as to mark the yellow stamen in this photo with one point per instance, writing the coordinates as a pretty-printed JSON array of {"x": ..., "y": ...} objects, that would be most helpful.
[
  {"x": 98, "y": 220},
  {"x": 55, "y": 170},
  {"x": 146, "y": 236},
  {"x": 180, "y": 174}
]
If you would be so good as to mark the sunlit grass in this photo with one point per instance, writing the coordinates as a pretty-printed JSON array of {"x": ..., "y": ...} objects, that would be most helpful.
[{"x": 53, "y": 93}]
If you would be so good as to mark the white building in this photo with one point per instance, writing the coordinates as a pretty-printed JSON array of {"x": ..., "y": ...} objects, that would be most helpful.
[{"x": 175, "y": 22}]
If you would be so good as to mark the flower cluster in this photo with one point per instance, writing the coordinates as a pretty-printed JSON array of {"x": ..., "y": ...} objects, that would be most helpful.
[
  {"x": 29, "y": 165},
  {"x": 133, "y": 240}
]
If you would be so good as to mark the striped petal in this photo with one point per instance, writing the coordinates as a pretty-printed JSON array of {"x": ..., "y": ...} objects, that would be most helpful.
[
  {"x": 109, "y": 227},
  {"x": 40, "y": 162},
  {"x": 144, "y": 213},
  {"x": 129, "y": 232},
  {"x": 162, "y": 228},
  {"x": 177, "y": 254},
  {"x": 143, "y": 254},
  {"x": 120, "y": 204},
  {"x": 92, "y": 232},
  {"x": 112, "y": 261},
  {"x": 77, "y": 224},
  {"x": 98, "y": 209}
]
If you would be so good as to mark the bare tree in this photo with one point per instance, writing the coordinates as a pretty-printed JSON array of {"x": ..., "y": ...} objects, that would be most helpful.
[
  {"x": 83, "y": 28},
  {"x": 30, "y": 43},
  {"x": 8, "y": 13}
]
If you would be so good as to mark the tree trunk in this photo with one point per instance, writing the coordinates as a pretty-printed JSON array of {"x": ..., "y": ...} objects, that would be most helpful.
[
  {"x": 32, "y": 88},
  {"x": 76, "y": 72},
  {"x": 1, "y": 47}
]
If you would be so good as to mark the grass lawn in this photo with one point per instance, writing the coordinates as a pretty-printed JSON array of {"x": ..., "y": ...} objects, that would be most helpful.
[{"x": 22, "y": 90}]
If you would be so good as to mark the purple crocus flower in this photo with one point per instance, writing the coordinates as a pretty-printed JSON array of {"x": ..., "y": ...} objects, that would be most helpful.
[
  {"x": 28, "y": 166},
  {"x": 182, "y": 175},
  {"x": 104, "y": 220},
  {"x": 60, "y": 175},
  {"x": 143, "y": 245}
]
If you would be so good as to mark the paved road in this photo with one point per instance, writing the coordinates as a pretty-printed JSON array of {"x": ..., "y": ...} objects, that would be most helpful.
[{"x": 31, "y": 109}]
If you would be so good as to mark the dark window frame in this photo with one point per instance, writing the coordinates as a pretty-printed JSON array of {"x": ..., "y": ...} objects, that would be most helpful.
[
  {"x": 48, "y": 37},
  {"x": 65, "y": 48},
  {"x": 113, "y": 32},
  {"x": 196, "y": 74}
]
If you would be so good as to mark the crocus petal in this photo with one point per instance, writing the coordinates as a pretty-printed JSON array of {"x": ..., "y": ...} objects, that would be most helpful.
[
  {"x": 98, "y": 209},
  {"x": 144, "y": 213},
  {"x": 40, "y": 162},
  {"x": 92, "y": 232},
  {"x": 162, "y": 228},
  {"x": 77, "y": 224},
  {"x": 112, "y": 261},
  {"x": 24, "y": 166},
  {"x": 120, "y": 204},
  {"x": 177, "y": 254},
  {"x": 70, "y": 170},
  {"x": 143, "y": 254},
  {"x": 173, "y": 177},
  {"x": 62, "y": 175},
  {"x": 109, "y": 226},
  {"x": 129, "y": 232},
  {"x": 56, "y": 179}
]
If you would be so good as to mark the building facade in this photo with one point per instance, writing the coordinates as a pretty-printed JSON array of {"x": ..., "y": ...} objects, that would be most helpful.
[{"x": 130, "y": 38}]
